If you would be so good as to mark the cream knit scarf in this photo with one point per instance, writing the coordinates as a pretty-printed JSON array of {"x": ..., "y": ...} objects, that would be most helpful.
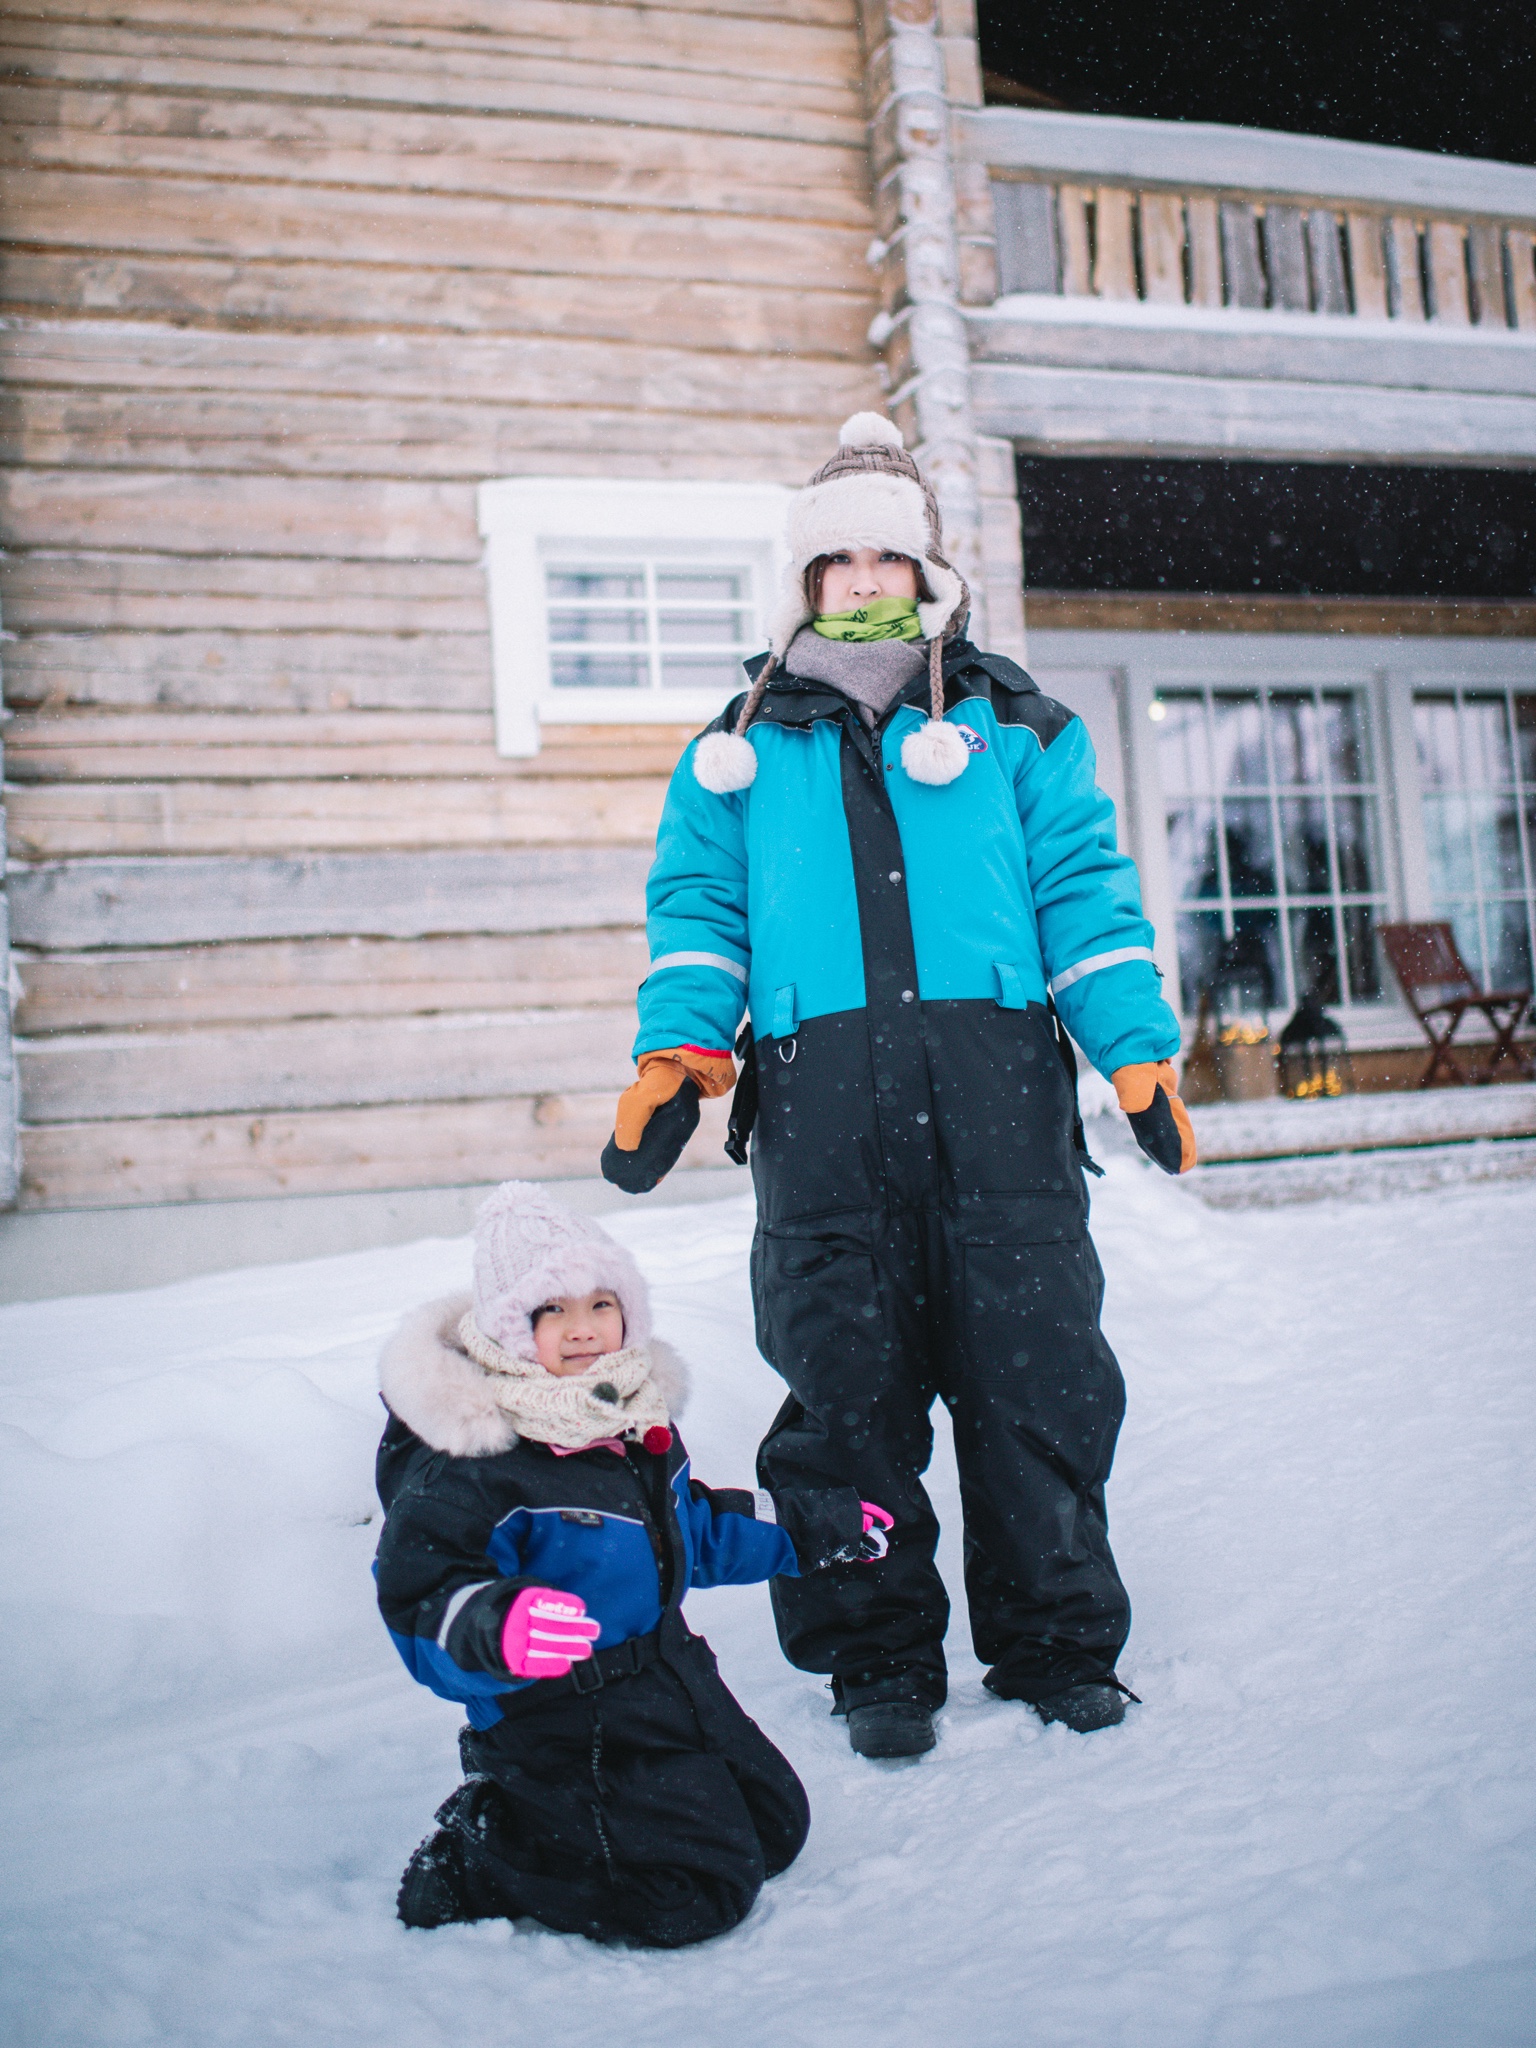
[{"x": 615, "y": 1396}]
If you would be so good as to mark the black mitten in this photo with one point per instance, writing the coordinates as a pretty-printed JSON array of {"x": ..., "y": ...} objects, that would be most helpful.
[
  {"x": 1156, "y": 1132},
  {"x": 660, "y": 1148}
]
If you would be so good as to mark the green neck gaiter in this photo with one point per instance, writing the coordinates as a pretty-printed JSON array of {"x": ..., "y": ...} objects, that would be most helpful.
[{"x": 888, "y": 618}]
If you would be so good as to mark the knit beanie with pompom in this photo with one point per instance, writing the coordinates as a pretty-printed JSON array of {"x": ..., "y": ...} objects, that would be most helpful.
[
  {"x": 529, "y": 1249},
  {"x": 870, "y": 495}
]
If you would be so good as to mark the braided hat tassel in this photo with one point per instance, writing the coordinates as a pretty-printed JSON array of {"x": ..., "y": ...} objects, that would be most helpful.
[
  {"x": 935, "y": 753},
  {"x": 724, "y": 762}
]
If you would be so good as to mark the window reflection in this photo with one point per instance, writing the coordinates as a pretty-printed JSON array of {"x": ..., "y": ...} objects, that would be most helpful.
[{"x": 1477, "y": 767}]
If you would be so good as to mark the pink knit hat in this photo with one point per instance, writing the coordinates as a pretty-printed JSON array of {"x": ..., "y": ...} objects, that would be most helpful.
[{"x": 528, "y": 1249}]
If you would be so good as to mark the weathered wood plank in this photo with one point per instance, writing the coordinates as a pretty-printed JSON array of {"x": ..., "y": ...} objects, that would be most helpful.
[
  {"x": 804, "y": 63},
  {"x": 1114, "y": 249},
  {"x": 1102, "y": 611},
  {"x": 1447, "y": 250},
  {"x": 103, "y": 592},
  {"x": 1367, "y": 265},
  {"x": 445, "y": 82},
  {"x": 1204, "y": 250},
  {"x": 95, "y": 747},
  {"x": 212, "y": 515},
  {"x": 174, "y": 987},
  {"x": 1404, "y": 278},
  {"x": 309, "y": 143},
  {"x": 76, "y": 905},
  {"x": 267, "y": 434},
  {"x": 201, "y": 1159},
  {"x": 71, "y": 820},
  {"x": 1026, "y": 237},
  {"x": 313, "y": 1065},
  {"x": 788, "y": 319},
  {"x": 1285, "y": 258},
  {"x": 1240, "y": 255},
  {"x": 1162, "y": 247},
  {"x": 475, "y": 374},
  {"x": 255, "y": 671},
  {"x": 1485, "y": 246},
  {"x": 1522, "y": 278},
  {"x": 1072, "y": 203},
  {"x": 1325, "y": 259},
  {"x": 175, "y": 216}
]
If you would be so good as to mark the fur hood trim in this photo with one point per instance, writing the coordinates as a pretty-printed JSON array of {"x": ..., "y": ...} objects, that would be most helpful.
[{"x": 430, "y": 1381}]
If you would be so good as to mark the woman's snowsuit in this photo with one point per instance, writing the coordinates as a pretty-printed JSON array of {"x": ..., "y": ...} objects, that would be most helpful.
[
  {"x": 922, "y": 1215},
  {"x": 634, "y": 1800}
]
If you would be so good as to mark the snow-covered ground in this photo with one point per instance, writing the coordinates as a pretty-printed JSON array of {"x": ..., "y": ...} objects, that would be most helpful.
[{"x": 1320, "y": 1829}]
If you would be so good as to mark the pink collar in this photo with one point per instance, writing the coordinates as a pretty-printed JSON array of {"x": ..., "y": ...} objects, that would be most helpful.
[{"x": 598, "y": 1443}]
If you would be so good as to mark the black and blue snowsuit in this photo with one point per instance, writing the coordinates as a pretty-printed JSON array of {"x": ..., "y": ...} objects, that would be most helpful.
[
  {"x": 922, "y": 1211},
  {"x": 633, "y": 1800}
]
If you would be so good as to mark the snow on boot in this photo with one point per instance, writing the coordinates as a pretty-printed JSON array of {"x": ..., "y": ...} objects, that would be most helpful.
[
  {"x": 891, "y": 1728},
  {"x": 1084, "y": 1707},
  {"x": 431, "y": 1891}
]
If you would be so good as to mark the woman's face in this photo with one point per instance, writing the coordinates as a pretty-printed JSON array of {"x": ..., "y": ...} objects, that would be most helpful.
[
  {"x": 571, "y": 1332},
  {"x": 858, "y": 576}
]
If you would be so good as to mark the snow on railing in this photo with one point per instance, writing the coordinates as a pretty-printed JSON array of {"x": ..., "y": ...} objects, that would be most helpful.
[{"x": 1174, "y": 213}]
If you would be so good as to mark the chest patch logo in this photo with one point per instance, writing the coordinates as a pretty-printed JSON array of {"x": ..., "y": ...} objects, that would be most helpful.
[
  {"x": 974, "y": 743},
  {"x": 584, "y": 1518}
]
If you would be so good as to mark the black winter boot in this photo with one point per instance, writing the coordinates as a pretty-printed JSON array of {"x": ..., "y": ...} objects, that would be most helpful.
[
  {"x": 891, "y": 1728},
  {"x": 432, "y": 1890},
  {"x": 1085, "y": 1707}
]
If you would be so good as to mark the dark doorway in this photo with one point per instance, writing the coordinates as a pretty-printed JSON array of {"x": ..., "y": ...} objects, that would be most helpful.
[{"x": 1291, "y": 529}]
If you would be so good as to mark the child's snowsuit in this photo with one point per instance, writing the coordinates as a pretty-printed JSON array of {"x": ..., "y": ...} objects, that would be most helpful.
[
  {"x": 922, "y": 1215},
  {"x": 633, "y": 1800}
]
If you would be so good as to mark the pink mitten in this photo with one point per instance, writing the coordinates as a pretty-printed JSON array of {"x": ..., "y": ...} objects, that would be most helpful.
[
  {"x": 546, "y": 1632},
  {"x": 876, "y": 1523}
]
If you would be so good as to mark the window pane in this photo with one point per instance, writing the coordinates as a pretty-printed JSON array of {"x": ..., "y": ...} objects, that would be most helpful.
[
  {"x": 1352, "y": 820},
  {"x": 1314, "y": 954},
  {"x": 701, "y": 672},
  {"x": 1360, "y": 952},
  {"x": 1496, "y": 827},
  {"x": 1304, "y": 845},
  {"x": 1449, "y": 843},
  {"x": 1250, "y": 846},
  {"x": 1199, "y": 945},
  {"x": 603, "y": 627},
  {"x": 1525, "y": 738},
  {"x": 1294, "y": 730},
  {"x": 1349, "y": 758},
  {"x": 1192, "y": 851},
  {"x": 1240, "y": 740},
  {"x": 599, "y": 671},
  {"x": 1469, "y": 940},
  {"x": 1509, "y": 940},
  {"x": 1183, "y": 745},
  {"x": 702, "y": 586},
  {"x": 1434, "y": 726},
  {"x": 1254, "y": 948},
  {"x": 1485, "y": 740},
  {"x": 708, "y": 628},
  {"x": 616, "y": 582}
]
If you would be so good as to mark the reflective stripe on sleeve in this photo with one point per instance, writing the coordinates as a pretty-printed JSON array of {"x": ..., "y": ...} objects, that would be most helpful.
[
  {"x": 1096, "y": 961},
  {"x": 452, "y": 1610},
  {"x": 699, "y": 960}
]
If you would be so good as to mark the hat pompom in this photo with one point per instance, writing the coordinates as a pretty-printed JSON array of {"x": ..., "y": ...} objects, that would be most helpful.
[
  {"x": 869, "y": 430},
  {"x": 935, "y": 753},
  {"x": 724, "y": 762}
]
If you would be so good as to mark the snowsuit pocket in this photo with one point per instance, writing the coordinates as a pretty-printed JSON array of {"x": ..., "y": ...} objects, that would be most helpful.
[{"x": 816, "y": 1294}]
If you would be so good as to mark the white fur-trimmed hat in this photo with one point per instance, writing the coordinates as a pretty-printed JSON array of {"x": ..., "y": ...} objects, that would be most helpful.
[
  {"x": 529, "y": 1249},
  {"x": 870, "y": 495}
]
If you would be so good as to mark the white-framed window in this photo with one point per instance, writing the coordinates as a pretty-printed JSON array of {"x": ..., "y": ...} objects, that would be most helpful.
[
  {"x": 1477, "y": 778},
  {"x": 622, "y": 602}
]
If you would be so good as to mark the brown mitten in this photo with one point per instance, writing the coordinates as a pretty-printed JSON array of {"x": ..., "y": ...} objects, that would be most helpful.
[
  {"x": 1149, "y": 1095},
  {"x": 661, "y": 1075}
]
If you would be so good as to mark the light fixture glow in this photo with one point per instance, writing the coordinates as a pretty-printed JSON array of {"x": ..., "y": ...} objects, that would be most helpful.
[{"x": 1157, "y": 711}]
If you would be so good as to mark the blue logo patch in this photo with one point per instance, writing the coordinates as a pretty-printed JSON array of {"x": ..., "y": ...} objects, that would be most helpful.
[{"x": 974, "y": 743}]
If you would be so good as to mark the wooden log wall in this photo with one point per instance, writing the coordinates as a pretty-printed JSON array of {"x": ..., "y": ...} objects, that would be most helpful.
[{"x": 281, "y": 281}]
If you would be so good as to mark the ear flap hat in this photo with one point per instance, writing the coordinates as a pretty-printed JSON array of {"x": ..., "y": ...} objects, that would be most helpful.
[{"x": 870, "y": 495}]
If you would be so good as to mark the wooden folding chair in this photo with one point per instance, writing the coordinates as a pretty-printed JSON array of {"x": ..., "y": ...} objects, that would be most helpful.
[{"x": 1437, "y": 984}]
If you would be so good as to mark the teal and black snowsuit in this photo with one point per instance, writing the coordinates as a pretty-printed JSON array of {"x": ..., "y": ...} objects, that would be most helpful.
[{"x": 922, "y": 1213}]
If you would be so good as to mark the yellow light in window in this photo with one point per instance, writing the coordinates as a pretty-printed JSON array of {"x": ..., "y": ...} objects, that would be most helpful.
[{"x": 1157, "y": 711}]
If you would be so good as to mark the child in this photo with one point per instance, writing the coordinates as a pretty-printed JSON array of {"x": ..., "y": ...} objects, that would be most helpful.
[
  {"x": 541, "y": 1528},
  {"x": 892, "y": 854}
]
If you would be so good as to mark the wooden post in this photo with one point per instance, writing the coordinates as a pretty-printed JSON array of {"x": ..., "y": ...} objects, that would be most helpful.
[
  {"x": 1407, "y": 285},
  {"x": 1448, "y": 272},
  {"x": 1367, "y": 266},
  {"x": 1072, "y": 203},
  {"x": 1485, "y": 245},
  {"x": 1522, "y": 279},
  {"x": 1204, "y": 252},
  {"x": 1162, "y": 247},
  {"x": 1114, "y": 251}
]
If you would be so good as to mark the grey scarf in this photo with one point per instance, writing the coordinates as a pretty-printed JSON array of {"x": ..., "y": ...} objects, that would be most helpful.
[{"x": 871, "y": 672}]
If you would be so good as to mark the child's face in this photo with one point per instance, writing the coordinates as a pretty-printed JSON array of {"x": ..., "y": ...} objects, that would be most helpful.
[
  {"x": 858, "y": 576},
  {"x": 570, "y": 1331}
]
